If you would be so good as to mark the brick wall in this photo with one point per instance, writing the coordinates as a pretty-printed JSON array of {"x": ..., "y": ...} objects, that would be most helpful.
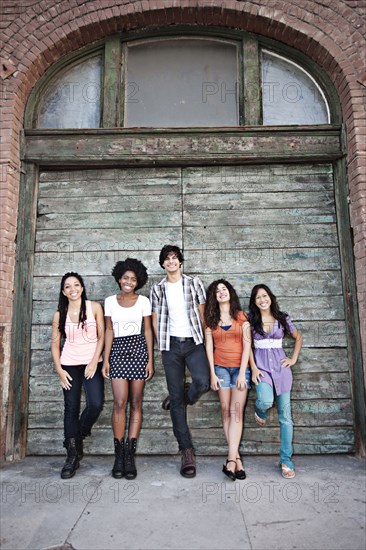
[{"x": 37, "y": 33}]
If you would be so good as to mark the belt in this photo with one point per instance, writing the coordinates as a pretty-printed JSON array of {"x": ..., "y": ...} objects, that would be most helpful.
[{"x": 181, "y": 339}]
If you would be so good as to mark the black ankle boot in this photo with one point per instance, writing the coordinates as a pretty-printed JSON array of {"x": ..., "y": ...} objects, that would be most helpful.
[
  {"x": 118, "y": 470},
  {"x": 79, "y": 447},
  {"x": 130, "y": 466},
  {"x": 72, "y": 460}
]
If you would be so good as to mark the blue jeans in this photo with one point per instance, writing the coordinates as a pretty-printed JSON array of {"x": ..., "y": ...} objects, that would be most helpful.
[
  {"x": 180, "y": 355},
  {"x": 94, "y": 393},
  {"x": 265, "y": 397}
]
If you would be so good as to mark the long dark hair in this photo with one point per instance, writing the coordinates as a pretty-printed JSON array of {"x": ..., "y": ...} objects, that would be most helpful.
[
  {"x": 255, "y": 317},
  {"x": 212, "y": 308},
  {"x": 63, "y": 303}
]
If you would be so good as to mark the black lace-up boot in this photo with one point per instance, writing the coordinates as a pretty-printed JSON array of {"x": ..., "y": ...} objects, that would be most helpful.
[
  {"x": 130, "y": 466},
  {"x": 118, "y": 469},
  {"x": 72, "y": 460}
]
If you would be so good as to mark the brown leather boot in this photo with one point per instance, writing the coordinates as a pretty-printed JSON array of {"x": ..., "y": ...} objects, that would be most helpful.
[{"x": 188, "y": 467}]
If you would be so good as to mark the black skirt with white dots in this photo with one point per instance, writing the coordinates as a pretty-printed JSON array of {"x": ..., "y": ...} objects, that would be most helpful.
[{"x": 128, "y": 358}]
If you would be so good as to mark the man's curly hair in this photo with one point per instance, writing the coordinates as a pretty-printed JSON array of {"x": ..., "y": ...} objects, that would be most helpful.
[{"x": 131, "y": 264}]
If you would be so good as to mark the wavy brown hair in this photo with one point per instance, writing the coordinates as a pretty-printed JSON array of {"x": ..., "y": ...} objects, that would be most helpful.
[{"x": 212, "y": 308}]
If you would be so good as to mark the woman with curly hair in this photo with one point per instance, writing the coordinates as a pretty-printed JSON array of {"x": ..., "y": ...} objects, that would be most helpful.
[
  {"x": 228, "y": 345},
  {"x": 269, "y": 326},
  {"x": 128, "y": 359},
  {"x": 80, "y": 323}
]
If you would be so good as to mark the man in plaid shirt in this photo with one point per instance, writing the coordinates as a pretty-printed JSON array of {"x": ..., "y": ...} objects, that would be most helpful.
[{"x": 178, "y": 303}]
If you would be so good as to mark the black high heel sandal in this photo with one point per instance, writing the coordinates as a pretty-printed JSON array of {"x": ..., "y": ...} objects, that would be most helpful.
[
  {"x": 240, "y": 474},
  {"x": 227, "y": 472}
]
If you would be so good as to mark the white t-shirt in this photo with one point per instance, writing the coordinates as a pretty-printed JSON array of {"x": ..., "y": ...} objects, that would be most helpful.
[
  {"x": 178, "y": 318},
  {"x": 127, "y": 321}
]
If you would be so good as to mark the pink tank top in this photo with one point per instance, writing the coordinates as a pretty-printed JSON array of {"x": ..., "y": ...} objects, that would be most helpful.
[{"x": 80, "y": 343}]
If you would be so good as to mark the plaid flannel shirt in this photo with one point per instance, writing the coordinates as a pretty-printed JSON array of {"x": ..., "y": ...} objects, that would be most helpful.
[{"x": 194, "y": 295}]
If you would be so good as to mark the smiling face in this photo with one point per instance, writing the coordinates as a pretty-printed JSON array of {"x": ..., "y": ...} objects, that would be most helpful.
[
  {"x": 222, "y": 293},
  {"x": 128, "y": 282},
  {"x": 72, "y": 289},
  {"x": 262, "y": 300},
  {"x": 171, "y": 263}
]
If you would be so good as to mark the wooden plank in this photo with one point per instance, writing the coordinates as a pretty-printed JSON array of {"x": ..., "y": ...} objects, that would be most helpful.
[
  {"x": 302, "y": 309},
  {"x": 112, "y": 181},
  {"x": 106, "y": 239},
  {"x": 311, "y": 360},
  {"x": 111, "y": 81},
  {"x": 17, "y": 400},
  {"x": 327, "y": 412},
  {"x": 307, "y": 440},
  {"x": 269, "y": 259},
  {"x": 136, "y": 147},
  {"x": 261, "y": 236},
  {"x": 258, "y": 179},
  {"x": 216, "y": 201},
  {"x": 197, "y": 217},
  {"x": 346, "y": 242},
  {"x": 252, "y": 82},
  {"x": 96, "y": 263},
  {"x": 118, "y": 203},
  {"x": 310, "y": 284},
  {"x": 101, "y": 220}
]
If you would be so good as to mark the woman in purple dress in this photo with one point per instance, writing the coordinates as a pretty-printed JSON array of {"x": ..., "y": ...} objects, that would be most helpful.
[{"x": 269, "y": 326}]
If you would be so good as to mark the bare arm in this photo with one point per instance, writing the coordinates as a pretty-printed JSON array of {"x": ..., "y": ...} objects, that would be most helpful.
[
  {"x": 99, "y": 320},
  {"x": 291, "y": 361},
  {"x": 64, "y": 376},
  {"x": 154, "y": 322},
  {"x": 148, "y": 333},
  {"x": 107, "y": 346},
  {"x": 209, "y": 345}
]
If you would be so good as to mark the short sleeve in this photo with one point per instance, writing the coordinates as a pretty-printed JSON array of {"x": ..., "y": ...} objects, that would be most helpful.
[
  {"x": 290, "y": 324},
  {"x": 146, "y": 307},
  {"x": 242, "y": 317},
  {"x": 108, "y": 306}
]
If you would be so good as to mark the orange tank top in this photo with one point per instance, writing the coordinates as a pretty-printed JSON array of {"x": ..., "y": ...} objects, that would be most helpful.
[
  {"x": 80, "y": 343},
  {"x": 228, "y": 344}
]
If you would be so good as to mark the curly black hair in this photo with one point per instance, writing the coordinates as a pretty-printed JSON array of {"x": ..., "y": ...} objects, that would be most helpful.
[
  {"x": 63, "y": 303},
  {"x": 255, "y": 317},
  {"x": 168, "y": 249},
  {"x": 131, "y": 264},
  {"x": 212, "y": 307}
]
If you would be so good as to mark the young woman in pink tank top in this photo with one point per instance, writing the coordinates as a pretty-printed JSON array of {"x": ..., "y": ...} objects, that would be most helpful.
[{"x": 80, "y": 323}]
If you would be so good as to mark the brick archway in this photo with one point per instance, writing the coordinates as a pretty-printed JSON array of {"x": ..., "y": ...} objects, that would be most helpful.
[{"x": 38, "y": 34}]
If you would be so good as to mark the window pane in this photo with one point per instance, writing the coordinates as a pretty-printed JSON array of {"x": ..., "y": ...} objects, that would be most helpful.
[
  {"x": 184, "y": 82},
  {"x": 73, "y": 99},
  {"x": 290, "y": 95}
]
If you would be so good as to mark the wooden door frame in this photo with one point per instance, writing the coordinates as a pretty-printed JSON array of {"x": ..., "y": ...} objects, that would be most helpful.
[{"x": 38, "y": 155}]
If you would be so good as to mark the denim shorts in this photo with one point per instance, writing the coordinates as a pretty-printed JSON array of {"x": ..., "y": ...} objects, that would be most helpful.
[{"x": 228, "y": 376}]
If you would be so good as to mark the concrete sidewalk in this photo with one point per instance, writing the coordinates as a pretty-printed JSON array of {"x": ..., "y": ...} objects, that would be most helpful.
[{"x": 322, "y": 508}]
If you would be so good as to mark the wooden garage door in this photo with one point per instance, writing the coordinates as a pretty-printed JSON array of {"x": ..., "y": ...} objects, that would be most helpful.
[{"x": 273, "y": 224}]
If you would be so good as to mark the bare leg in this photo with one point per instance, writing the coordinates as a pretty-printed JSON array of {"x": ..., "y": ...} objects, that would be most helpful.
[
  {"x": 237, "y": 403},
  {"x": 136, "y": 393},
  {"x": 120, "y": 398}
]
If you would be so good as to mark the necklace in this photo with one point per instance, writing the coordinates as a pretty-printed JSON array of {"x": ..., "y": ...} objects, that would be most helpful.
[{"x": 74, "y": 312}]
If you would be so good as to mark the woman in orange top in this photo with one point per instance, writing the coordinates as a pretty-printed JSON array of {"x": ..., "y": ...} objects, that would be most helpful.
[{"x": 228, "y": 346}]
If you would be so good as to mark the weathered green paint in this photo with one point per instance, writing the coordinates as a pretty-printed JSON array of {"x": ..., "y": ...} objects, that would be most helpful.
[
  {"x": 139, "y": 147},
  {"x": 351, "y": 306},
  {"x": 111, "y": 82},
  {"x": 252, "y": 83},
  {"x": 272, "y": 223},
  {"x": 22, "y": 316}
]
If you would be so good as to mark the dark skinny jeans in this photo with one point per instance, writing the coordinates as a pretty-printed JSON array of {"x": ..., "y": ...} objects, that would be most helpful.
[
  {"x": 180, "y": 355},
  {"x": 76, "y": 425}
]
